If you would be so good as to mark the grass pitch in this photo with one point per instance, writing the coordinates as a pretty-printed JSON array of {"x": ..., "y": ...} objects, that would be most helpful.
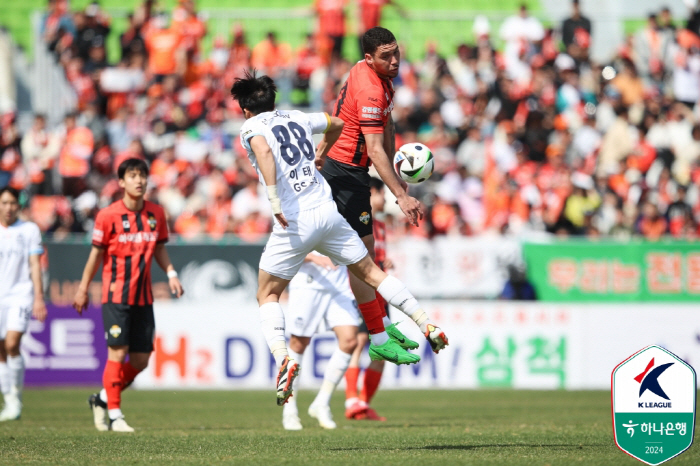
[{"x": 242, "y": 427}]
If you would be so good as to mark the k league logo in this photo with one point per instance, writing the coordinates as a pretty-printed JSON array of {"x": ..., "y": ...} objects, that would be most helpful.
[{"x": 653, "y": 405}]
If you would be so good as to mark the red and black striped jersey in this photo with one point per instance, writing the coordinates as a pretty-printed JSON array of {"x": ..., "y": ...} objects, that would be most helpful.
[
  {"x": 129, "y": 240},
  {"x": 364, "y": 103}
]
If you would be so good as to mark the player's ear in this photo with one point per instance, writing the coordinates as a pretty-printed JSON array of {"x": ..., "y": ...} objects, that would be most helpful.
[{"x": 122, "y": 184}]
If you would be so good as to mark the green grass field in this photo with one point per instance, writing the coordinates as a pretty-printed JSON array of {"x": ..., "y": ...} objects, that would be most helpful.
[{"x": 239, "y": 427}]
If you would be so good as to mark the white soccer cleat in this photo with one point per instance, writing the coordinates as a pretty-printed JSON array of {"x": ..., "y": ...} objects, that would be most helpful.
[
  {"x": 119, "y": 425},
  {"x": 323, "y": 415},
  {"x": 99, "y": 412},
  {"x": 436, "y": 337},
  {"x": 289, "y": 370},
  {"x": 12, "y": 410},
  {"x": 291, "y": 421}
]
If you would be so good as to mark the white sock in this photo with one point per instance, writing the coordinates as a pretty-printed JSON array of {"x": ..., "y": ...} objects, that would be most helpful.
[
  {"x": 272, "y": 320},
  {"x": 115, "y": 413},
  {"x": 335, "y": 370},
  {"x": 379, "y": 339},
  {"x": 4, "y": 378},
  {"x": 396, "y": 294},
  {"x": 15, "y": 366},
  {"x": 103, "y": 395},
  {"x": 291, "y": 405},
  {"x": 387, "y": 321}
]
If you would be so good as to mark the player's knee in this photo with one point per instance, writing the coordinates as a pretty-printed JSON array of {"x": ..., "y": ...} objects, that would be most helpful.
[{"x": 348, "y": 344}]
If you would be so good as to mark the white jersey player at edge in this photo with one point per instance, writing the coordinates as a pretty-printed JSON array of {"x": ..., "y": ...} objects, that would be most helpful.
[
  {"x": 320, "y": 295},
  {"x": 21, "y": 296},
  {"x": 280, "y": 147}
]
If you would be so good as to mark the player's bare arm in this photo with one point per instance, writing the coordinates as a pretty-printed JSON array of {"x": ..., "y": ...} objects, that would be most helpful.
[
  {"x": 335, "y": 129},
  {"x": 266, "y": 162},
  {"x": 39, "y": 308},
  {"x": 163, "y": 259},
  {"x": 375, "y": 151},
  {"x": 390, "y": 146},
  {"x": 80, "y": 301}
]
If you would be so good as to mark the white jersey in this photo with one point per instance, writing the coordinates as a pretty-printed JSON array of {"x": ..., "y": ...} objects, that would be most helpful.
[
  {"x": 17, "y": 243},
  {"x": 312, "y": 276},
  {"x": 289, "y": 134}
]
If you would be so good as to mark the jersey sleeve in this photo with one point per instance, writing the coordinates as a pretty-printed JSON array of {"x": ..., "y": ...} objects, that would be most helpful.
[
  {"x": 163, "y": 236},
  {"x": 248, "y": 130},
  {"x": 320, "y": 122},
  {"x": 100, "y": 233},
  {"x": 35, "y": 247},
  {"x": 372, "y": 110}
]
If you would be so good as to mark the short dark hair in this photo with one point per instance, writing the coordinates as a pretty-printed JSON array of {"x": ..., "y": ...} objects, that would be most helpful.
[
  {"x": 132, "y": 164},
  {"x": 375, "y": 183},
  {"x": 376, "y": 37},
  {"x": 13, "y": 192},
  {"x": 255, "y": 94}
]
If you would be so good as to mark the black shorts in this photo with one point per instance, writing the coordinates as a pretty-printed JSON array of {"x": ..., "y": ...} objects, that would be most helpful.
[
  {"x": 133, "y": 326},
  {"x": 350, "y": 188}
]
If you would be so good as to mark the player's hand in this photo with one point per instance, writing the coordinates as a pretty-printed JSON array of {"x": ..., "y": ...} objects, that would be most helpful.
[
  {"x": 80, "y": 302},
  {"x": 282, "y": 221},
  {"x": 39, "y": 310},
  {"x": 319, "y": 161},
  {"x": 411, "y": 208},
  {"x": 176, "y": 287},
  {"x": 323, "y": 261},
  {"x": 388, "y": 264}
]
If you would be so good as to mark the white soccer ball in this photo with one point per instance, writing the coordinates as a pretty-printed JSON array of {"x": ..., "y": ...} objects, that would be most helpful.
[{"x": 414, "y": 162}]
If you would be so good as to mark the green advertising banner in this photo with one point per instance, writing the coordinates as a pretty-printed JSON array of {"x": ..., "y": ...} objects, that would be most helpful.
[{"x": 606, "y": 271}]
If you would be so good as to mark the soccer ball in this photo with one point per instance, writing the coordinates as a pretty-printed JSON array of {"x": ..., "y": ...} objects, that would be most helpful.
[{"x": 414, "y": 162}]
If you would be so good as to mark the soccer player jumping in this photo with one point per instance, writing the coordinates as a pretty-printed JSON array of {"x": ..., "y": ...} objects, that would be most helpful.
[
  {"x": 280, "y": 147},
  {"x": 128, "y": 234},
  {"x": 21, "y": 296},
  {"x": 364, "y": 103}
]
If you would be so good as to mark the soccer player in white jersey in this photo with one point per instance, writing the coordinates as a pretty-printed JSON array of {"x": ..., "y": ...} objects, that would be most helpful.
[
  {"x": 21, "y": 296},
  {"x": 280, "y": 147},
  {"x": 320, "y": 294}
]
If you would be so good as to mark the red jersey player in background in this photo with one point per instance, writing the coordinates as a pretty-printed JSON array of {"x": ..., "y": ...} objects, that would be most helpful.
[
  {"x": 364, "y": 104},
  {"x": 357, "y": 407},
  {"x": 128, "y": 234}
]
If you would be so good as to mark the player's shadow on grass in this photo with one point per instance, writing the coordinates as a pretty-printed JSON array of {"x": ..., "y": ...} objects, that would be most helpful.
[{"x": 475, "y": 447}]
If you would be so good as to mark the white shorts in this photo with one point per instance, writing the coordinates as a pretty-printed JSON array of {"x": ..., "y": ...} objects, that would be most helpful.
[
  {"x": 322, "y": 229},
  {"x": 309, "y": 307},
  {"x": 15, "y": 317}
]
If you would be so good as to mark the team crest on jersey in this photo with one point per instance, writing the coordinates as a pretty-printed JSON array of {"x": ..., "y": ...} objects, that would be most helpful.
[
  {"x": 115, "y": 331},
  {"x": 364, "y": 218},
  {"x": 126, "y": 225},
  {"x": 152, "y": 221}
]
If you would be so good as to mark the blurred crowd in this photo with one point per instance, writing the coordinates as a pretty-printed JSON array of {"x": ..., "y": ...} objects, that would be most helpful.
[{"x": 530, "y": 136}]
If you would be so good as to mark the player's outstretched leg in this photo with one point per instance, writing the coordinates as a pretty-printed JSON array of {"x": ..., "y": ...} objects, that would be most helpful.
[{"x": 396, "y": 294}]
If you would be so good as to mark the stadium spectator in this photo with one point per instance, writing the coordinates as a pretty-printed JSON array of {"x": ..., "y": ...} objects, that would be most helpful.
[{"x": 575, "y": 25}]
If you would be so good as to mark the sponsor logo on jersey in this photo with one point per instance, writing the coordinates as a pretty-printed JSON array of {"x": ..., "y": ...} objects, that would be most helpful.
[
  {"x": 126, "y": 225},
  {"x": 138, "y": 237},
  {"x": 97, "y": 235},
  {"x": 364, "y": 218},
  {"x": 372, "y": 110},
  {"x": 152, "y": 221},
  {"x": 115, "y": 331}
]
